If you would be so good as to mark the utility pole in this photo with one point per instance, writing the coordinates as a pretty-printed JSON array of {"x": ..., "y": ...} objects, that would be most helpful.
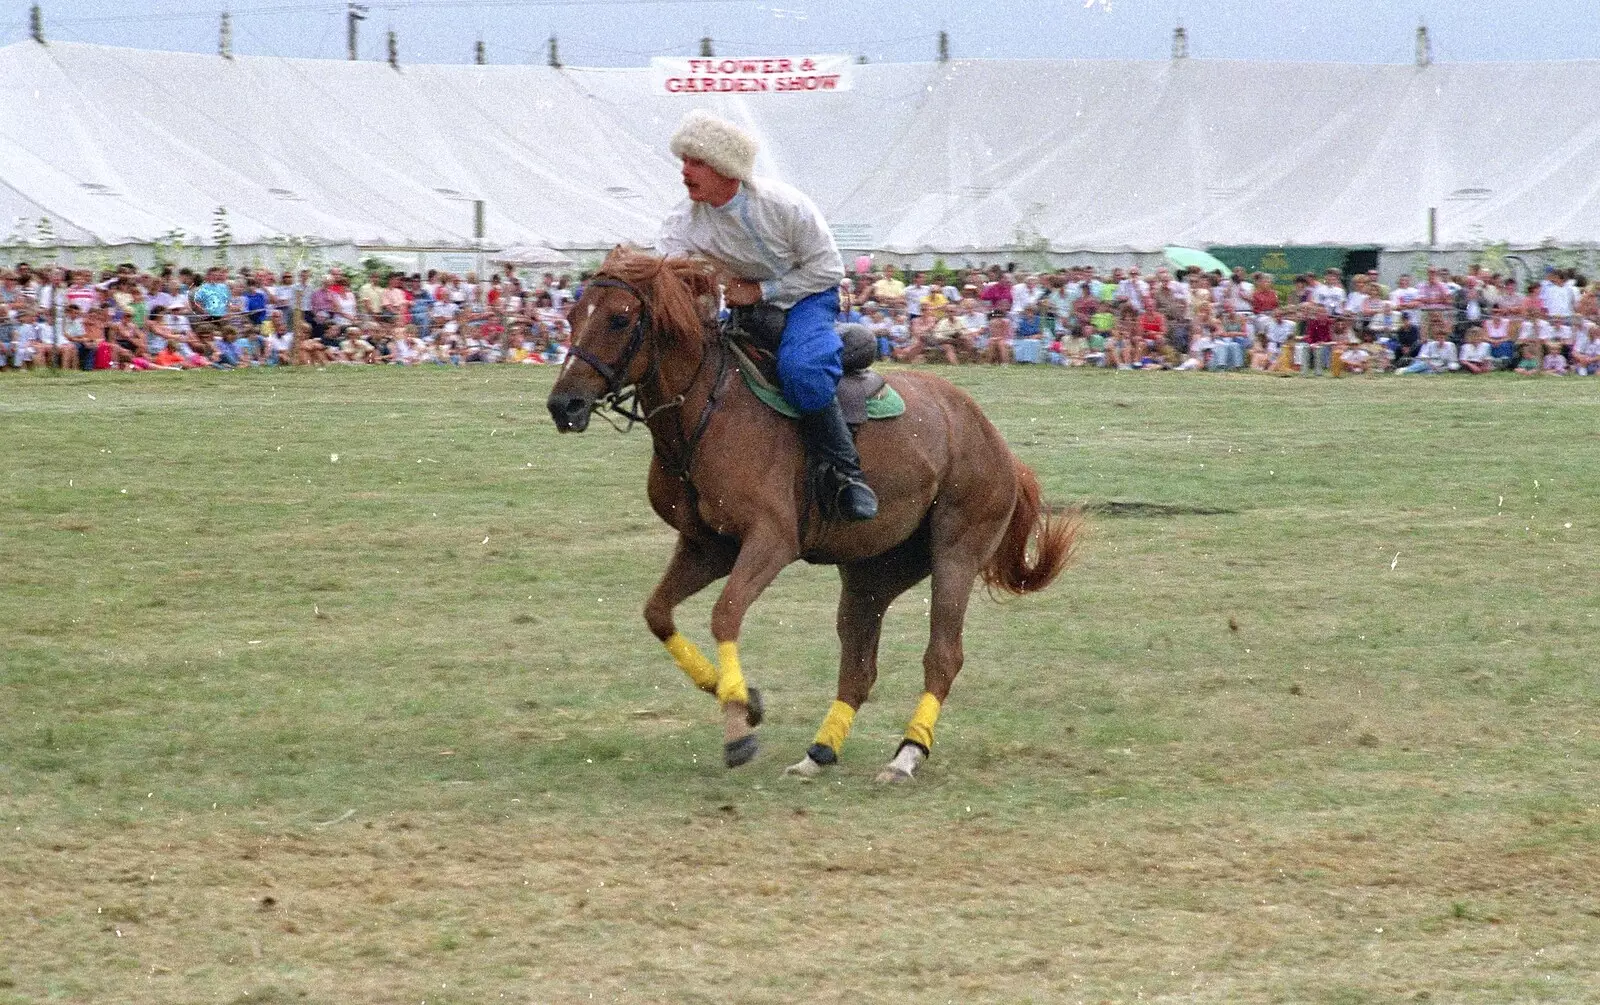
[
  {"x": 555, "y": 54},
  {"x": 36, "y": 23},
  {"x": 356, "y": 14},
  {"x": 478, "y": 54},
  {"x": 394, "y": 51},
  {"x": 225, "y": 43},
  {"x": 705, "y": 46},
  {"x": 1424, "y": 47},
  {"x": 944, "y": 46},
  {"x": 1180, "y": 43}
]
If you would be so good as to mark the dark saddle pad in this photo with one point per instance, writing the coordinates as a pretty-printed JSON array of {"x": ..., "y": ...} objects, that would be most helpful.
[{"x": 758, "y": 329}]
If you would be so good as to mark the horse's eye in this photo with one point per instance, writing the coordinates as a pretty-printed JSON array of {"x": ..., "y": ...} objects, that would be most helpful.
[{"x": 619, "y": 322}]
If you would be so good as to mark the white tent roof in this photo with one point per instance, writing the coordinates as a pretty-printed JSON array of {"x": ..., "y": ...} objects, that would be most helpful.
[{"x": 121, "y": 146}]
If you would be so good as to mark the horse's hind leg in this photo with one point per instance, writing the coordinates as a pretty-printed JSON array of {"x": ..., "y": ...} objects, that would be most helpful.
[
  {"x": 962, "y": 540},
  {"x": 694, "y": 566},
  {"x": 868, "y": 590}
]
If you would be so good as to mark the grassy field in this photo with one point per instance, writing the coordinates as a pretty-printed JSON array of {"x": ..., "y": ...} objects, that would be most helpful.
[{"x": 331, "y": 686}]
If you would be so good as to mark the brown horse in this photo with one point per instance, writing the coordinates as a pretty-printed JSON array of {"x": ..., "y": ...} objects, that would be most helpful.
[{"x": 729, "y": 476}]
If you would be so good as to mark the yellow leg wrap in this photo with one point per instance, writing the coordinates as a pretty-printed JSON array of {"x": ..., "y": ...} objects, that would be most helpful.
[
  {"x": 921, "y": 728},
  {"x": 836, "y": 726},
  {"x": 730, "y": 679},
  {"x": 692, "y": 662}
]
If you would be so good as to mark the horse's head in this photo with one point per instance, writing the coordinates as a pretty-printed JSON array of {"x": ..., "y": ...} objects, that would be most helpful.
[{"x": 635, "y": 306}]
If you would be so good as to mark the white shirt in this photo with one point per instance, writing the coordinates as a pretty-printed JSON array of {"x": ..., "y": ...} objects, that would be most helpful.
[
  {"x": 1406, "y": 298},
  {"x": 1545, "y": 330},
  {"x": 914, "y": 295},
  {"x": 769, "y": 232},
  {"x": 1557, "y": 298},
  {"x": 1475, "y": 352},
  {"x": 1441, "y": 354},
  {"x": 1332, "y": 297},
  {"x": 1243, "y": 290},
  {"x": 1133, "y": 291},
  {"x": 35, "y": 331}
]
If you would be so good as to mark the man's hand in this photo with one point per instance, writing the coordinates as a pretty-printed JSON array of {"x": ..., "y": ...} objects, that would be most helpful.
[{"x": 741, "y": 293}]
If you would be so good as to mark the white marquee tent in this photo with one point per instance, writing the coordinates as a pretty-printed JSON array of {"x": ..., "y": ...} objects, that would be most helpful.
[{"x": 966, "y": 158}]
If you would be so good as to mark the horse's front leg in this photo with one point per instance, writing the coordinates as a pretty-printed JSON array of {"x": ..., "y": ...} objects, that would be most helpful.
[
  {"x": 694, "y": 566},
  {"x": 759, "y": 562}
]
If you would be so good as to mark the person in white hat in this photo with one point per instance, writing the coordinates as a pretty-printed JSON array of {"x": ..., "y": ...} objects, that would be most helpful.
[{"x": 775, "y": 243}]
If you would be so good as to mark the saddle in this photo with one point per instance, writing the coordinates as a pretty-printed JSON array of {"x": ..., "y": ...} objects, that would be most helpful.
[{"x": 754, "y": 332}]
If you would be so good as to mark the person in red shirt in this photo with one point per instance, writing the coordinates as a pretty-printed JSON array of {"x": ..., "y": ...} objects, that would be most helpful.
[
  {"x": 1153, "y": 329},
  {"x": 1265, "y": 298},
  {"x": 997, "y": 292},
  {"x": 1318, "y": 337}
]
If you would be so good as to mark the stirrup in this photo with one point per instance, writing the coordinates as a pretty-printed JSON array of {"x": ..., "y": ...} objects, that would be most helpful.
[
  {"x": 855, "y": 500},
  {"x": 841, "y": 497}
]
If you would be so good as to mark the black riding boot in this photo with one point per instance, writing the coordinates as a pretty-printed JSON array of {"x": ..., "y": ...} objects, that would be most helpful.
[{"x": 830, "y": 447}]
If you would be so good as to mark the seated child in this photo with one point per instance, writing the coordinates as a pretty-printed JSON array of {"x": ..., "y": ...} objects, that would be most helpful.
[{"x": 1260, "y": 354}]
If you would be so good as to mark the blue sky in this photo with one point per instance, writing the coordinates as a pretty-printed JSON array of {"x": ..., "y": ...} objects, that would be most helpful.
[{"x": 613, "y": 33}]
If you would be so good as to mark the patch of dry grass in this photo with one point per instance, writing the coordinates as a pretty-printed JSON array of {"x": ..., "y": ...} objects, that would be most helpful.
[{"x": 758, "y": 899}]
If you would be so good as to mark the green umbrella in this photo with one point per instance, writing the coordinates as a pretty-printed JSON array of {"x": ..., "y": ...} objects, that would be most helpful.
[{"x": 1185, "y": 257}]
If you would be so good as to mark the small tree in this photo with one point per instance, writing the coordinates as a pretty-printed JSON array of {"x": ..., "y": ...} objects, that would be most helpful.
[
  {"x": 221, "y": 235},
  {"x": 168, "y": 248},
  {"x": 1492, "y": 257},
  {"x": 98, "y": 259},
  {"x": 45, "y": 238}
]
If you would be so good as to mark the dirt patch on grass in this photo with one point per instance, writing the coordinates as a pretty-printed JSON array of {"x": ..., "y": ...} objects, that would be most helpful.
[{"x": 749, "y": 904}]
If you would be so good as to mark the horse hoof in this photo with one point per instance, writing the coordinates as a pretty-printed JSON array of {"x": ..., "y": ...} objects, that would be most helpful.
[
  {"x": 741, "y": 751},
  {"x": 805, "y": 770},
  {"x": 906, "y": 761},
  {"x": 755, "y": 710}
]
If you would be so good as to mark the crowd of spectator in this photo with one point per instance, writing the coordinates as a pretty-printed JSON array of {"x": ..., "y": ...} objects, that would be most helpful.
[
  {"x": 1192, "y": 320},
  {"x": 182, "y": 319},
  {"x": 1172, "y": 319}
]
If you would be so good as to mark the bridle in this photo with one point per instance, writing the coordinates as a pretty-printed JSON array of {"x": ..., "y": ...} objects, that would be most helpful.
[{"x": 622, "y": 395}]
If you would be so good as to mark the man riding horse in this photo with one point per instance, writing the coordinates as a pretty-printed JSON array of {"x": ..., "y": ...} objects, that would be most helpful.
[{"x": 775, "y": 246}]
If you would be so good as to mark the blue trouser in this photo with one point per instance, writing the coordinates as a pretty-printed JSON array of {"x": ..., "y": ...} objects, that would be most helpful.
[
  {"x": 1227, "y": 354},
  {"x": 809, "y": 365}
]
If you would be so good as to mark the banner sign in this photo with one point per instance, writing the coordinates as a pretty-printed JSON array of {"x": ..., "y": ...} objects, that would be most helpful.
[{"x": 766, "y": 75}]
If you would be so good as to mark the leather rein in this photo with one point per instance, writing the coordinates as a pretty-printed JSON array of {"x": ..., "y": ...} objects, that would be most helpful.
[{"x": 622, "y": 395}]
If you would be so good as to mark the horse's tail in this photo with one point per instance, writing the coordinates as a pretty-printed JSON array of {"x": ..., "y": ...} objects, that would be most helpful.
[{"x": 1055, "y": 535}]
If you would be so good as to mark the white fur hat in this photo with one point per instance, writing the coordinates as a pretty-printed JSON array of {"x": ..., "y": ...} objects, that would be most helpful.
[{"x": 729, "y": 150}]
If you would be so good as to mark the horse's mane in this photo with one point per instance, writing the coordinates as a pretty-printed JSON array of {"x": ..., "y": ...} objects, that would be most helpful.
[{"x": 674, "y": 285}]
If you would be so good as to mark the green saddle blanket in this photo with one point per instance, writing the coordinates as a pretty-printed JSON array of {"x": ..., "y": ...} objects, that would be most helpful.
[{"x": 885, "y": 403}]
